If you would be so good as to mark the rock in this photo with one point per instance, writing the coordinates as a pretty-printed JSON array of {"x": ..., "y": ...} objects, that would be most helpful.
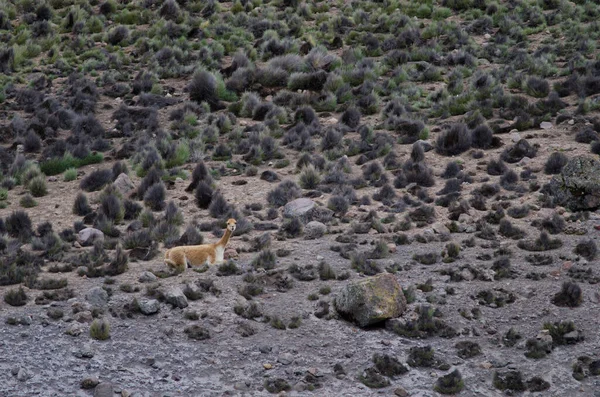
[
  {"x": 74, "y": 329},
  {"x": 147, "y": 277},
  {"x": 23, "y": 375},
  {"x": 515, "y": 137},
  {"x": 298, "y": 208},
  {"x": 97, "y": 297},
  {"x": 400, "y": 392},
  {"x": 87, "y": 237},
  {"x": 578, "y": 185},
  {"x": 104, "y": 389},
  {"x": 314, "y": 230},
  {"x": 545, "y": 125},
  {"x": 84, "y": 352},
  {"x": 371, "y": 300},
  {"x": 440, "y": 228},
  {"x": 487, "y": 36},
  {"x": 426, "y": 145},
  {"x": 89, "y": 382},
  {"x": 149, "y": 306},
  {"x": 83, "y": 317},
  {"x": 285, "y": 358},
  {"x": 176, "y": 297},
  {"x": 267, "y": 366},
  {"x": 123, "y": 184}
]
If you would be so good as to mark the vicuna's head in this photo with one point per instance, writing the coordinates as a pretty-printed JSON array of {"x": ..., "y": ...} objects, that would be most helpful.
[{"x": 231, "y": 224}]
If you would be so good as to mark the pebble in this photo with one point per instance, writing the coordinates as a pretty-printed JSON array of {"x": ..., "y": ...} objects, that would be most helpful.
[
  {"x": 89, "y": 382},
  {"x": 400, "y": 392},
  {"x": 285, "y": 358},
  {"x": 267, "y": 366}
]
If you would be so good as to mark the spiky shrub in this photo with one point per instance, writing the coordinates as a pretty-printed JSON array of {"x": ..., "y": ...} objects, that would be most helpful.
[
  {"x": 555, "y": 163},
  {"x": 537, "y": 87},
  {"x": 338, "y": 204},
  {"x": 309, "y": 177},
  {"x": 154, "y": 198},
  {"x": 112, "y": 207},
  {"x": 449, "y": 384},
  {"x": 37, "y": 186},
  {"x": 219, "y": 207},
  {"x": 70, "y": 175},
  {"x": 482, "y": 137},
  {"x": 586, "y": 249},
  {"x": 291, "y": 228},
  {"x": 100, "y": 329},
  {"x": 203, "y": 194},
  {"x": 265, "y": 259},
  {"x": 283, "y": 193},
  {"x": 453, "y": 141},
  {"x": 570, "y": 295},
  {"x": 203, "y": 88},
  {"x": 119, "y": 263},
  {"x": 16, "y": 297},
  {"x": 18, "y": 225},
  {"x": 96, "y": 180},
  {"x": 27, "y": 201}
]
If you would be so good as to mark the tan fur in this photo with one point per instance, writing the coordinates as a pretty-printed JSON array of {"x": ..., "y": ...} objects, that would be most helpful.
[{"x": 197, "y": 255}]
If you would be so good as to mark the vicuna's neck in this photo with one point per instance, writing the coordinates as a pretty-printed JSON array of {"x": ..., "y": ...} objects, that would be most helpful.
[{"x": 225, "y": 239}]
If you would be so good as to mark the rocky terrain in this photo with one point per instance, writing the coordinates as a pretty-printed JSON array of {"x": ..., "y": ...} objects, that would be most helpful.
[{"x": 416, "y": 187}]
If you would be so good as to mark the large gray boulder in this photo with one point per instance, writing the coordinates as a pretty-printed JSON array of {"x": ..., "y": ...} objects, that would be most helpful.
[
  {"x": 307, "y": 210},
  {"x": 97, "y": 296},
  {"x": 148, "y": 306},
  {"x": 314, "y": 230},
  {"x": 124, "y": 184},
  {"x": 176, "y": 297},
  {"x": 577, "y": 187},
  {"x": 89, "y": 235},
  {"x": 298, "y": 208},
  {"x": 371, "y": 300}
]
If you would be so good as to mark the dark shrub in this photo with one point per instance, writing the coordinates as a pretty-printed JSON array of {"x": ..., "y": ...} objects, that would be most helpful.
[
  {"x": 496, "y": 167},
  {"x": 454, "y": 140},
  {"x": 199, "y": 174},
  {"x": 154, "y": 198},
  {"x": 96, "y": 180},
  {"x": 218, "y": 207},
  {"x": 18, "y": 225},
  {"x": 291, "y": 228},
  {"x": 555, "y": 163},
  {"x": 482, "y": 137},
  {"x": 586, "y": 249},
  {"x": 351, "y": 117},
  {"x": 81, "y": 206},
  {"x": 16, "y": 297},
  {"x": 32, "y": 142},
  {"x": 283, "y": 193},
  {"x": 587, "y": 135},
  {"x": 152, "y": 177},
  {"x": 537, "y": 87},
  {"x": 203, "y": 194},
  {"x": 516, "y": 152},
  {"x": 338, "y": 204},
  {"x": 570, "y": 295},
  {"x": 112, "y": 207},
  {"x": 203, "y": 88}
]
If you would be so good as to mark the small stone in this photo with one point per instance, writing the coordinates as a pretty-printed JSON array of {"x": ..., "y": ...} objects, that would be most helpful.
[
  {"x": 176, "y": 297},
  {"x": 89, "y": 382},
  {"x": 486, "y": 365},
  {"x": 285, "y": 358},
  {"x": 515, "y": 137},
  {"x": 243, "y": 386},
  {"x": 97, "y": 297},
  {"x": 84, "y": 352},
  {"x": 571, "y": 122},
  {"x": 74, "y": 329},
  {"x": 104, "y": 389},
  {"x": 147, "y": 277},
  {"x": 545, "y": 125},
  {"x": 149, "y": 306},
  {"x": 23, "y": 375},
  {"x": 400, "y": 392},
  {"x": 83, "y": 317},
  {"x": 267, "y": 366}
]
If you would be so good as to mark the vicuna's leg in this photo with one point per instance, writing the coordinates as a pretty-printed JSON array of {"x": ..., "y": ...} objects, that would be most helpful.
[{"x": 176, "y": 260}]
